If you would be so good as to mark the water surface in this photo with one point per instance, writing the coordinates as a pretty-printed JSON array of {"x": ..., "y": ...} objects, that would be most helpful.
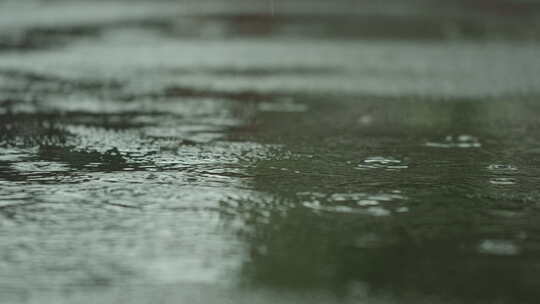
[{"x": 210, "y": 153}]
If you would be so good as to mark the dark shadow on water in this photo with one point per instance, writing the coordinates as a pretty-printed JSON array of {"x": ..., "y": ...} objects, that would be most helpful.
[{"x": 434, "y": 227}]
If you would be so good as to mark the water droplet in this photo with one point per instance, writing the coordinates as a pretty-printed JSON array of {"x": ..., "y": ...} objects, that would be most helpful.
[
  {"x": 461, "y": 141},
  {"x": 503, "y": 181},
  {"x": 402, "y": 209},
  {"x": 367, "y": 202},
  {"x": 361, "y": 203},
  {"x": 378, "y": 211},
  {"x": 379, "y": 162},
  {"x": 498, "y": 247},
  {"x": 503, "y": 168},
  {"x": 365, "y": 119}
]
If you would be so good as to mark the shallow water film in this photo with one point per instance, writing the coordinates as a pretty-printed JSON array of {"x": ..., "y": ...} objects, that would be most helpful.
[{"x": 269, "y": 151}]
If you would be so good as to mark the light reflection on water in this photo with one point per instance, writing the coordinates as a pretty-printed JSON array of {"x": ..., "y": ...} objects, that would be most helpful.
[
  {"x": 237, "y": 200},
  {"x": 140, "y": 163}
]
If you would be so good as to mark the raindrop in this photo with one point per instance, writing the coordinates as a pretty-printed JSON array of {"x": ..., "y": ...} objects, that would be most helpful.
[
  {"x": 378, "y": 211},
  {"x": 498, "y": 247},
  {"x": 378, "y": 162},
  {"x": 461, "y": 141},
  {"x": 503, "y": 181},
  {"x": 502, "y": 168}
]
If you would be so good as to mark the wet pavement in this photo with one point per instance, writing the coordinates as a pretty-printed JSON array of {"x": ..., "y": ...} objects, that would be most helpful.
[{"x": 269, "y": 152}]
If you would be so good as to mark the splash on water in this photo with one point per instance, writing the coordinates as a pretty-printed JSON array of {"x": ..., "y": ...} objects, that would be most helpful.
[
  {"x": 379, "y": 162},
  {"x": 498, "y": 247},
  {"x": 461, "y": 141},
  {"x": 380, "y": 204}
]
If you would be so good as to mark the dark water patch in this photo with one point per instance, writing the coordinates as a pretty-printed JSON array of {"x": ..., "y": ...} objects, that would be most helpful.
[
  {"x": 45, "y": 38},
  {"x": 254, "y": 72},
  {"x": 28, "y": 169},
  {"x": 504, "y": 8},
  {"x": 52, "y": 123},
  {"x": 39, "y": 83},
  {"x": 197, "y": 93},
  {"x": 29, "y": 130},
  {"x": 414, "y": 253},
  {"x": 191, "y": 92},
  {"x": 436, "y": 225},
  {"x": 9, "y": 105},
  {"x": 109, "y": 160},
  {"x": 365, "y": 26},
  {"x": 52, "y": 37},
  {"x": 122, "y": 121}
]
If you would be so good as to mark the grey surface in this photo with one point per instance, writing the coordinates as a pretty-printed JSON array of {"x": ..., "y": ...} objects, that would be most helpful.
[{"x": 269, "y": 152}]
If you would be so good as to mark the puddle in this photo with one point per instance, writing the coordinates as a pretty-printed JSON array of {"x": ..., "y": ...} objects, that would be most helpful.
[
  {"x": 330, "y": 153},
  {"x": 461, "y": 141}
]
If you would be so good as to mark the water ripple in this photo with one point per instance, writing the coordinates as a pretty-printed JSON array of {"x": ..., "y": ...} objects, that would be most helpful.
[
  {"x": 461, "y": 141},
  {"x": 379, "y": 162}
]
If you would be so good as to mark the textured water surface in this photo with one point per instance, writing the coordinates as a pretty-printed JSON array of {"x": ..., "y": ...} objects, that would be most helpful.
[{"x": 269, "y": 152}]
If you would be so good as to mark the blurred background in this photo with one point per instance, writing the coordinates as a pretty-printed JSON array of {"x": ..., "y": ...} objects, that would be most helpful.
[{"x": 269, "y": 151}]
